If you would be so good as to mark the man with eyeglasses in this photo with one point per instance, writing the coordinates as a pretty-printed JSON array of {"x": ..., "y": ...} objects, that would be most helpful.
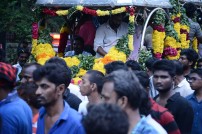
[{"x": 195, "y": 79}]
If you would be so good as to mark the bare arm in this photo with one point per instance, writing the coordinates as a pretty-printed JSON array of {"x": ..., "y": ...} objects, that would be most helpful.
[{"x": 101, "y": 51}]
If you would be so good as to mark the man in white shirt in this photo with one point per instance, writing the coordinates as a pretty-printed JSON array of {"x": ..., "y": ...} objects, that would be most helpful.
[
  {"x": 23, "y": 56},
  {"x": 108, "y": 34},
  {"x": 181, "y": 84}
]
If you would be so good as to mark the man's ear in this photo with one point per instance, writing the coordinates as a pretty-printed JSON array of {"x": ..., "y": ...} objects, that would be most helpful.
[
  {"x": 93, "y": 87},
  {"x": 123, "y": 102},
  {"x": 190, "y": 63},
  {"x": 60, "y": 89}
]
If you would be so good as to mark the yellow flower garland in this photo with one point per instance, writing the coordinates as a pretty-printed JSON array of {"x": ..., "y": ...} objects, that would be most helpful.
[
  {"x": 99, "y": 67},
  {"x": 119, "y": 10},
  {"x": 130, "y": 42},
  {"x": 72, "y": 61},
  {"x": 158, "y": 41},
  {"x": 195, "y": 44},
  {"x": 62, "y": 12},
  {"x": 81, "y": 72},
  {"x": 102, "y": 13}
]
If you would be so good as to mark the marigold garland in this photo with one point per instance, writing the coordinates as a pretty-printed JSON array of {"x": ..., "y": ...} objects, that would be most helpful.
[
  {"x": 42, "y": 54},
  {"x": 195, "y": 44},
  {"x": 158, "y": 34}
]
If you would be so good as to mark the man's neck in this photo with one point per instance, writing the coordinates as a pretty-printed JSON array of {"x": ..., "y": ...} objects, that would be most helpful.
[
  {"x": 94, "y": 98},
  {"x": 134, "y": 118},
  {"x": 55, "y": 109},
  {"x": 34, "y": 110},
  {"x": 163, "y": 97},
  {"x": 187, "y": 71},
  {"x": 179, "y": 78}
]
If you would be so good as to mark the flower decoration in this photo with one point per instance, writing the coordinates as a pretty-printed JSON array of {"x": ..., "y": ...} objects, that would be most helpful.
[
  {"x": 62, "y": 12},
  {"x": 158, "y": 34},
  {"x": 76, "y": 80},
  {"x": 80, "y": 64},
  {"x": 99, "y": 66},
  {"x": 72, "y": 61},
  {"x": 170, "y": 43},
  {"x": 195, "y": 44},
  {"x": 184, "y": 30}
]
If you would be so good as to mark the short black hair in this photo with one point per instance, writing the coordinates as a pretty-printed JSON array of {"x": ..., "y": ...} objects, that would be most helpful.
[
  {"x": 115, "y": 65},
  {"x": 199, "y": 60},
  {"x": 59, "y": 61},
  {"x": 54, "y": 73},
  {"x": 179, "y": 67},
  {"x": 190, "y": 9},
  {"x": 191, "y": 55},
  {"x": 56, "y": 60},
  {"x": 105, "y": 119},
  {"x": 127, "y": 84},
  {"x": 165, "y": 65},
  {"x": 22, "y": 51},
  {"x": 149, "y": 62},
  {"x": 37, "y": 65},
  {"x": 134, "y": 65},
  {"x": 96, "y": 77},
  {"x": 143, "y": 78},
  {"x": 197, "y": 71}
]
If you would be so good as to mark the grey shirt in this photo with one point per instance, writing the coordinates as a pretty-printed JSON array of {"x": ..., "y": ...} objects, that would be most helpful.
[{"x": 195, "y": 30}]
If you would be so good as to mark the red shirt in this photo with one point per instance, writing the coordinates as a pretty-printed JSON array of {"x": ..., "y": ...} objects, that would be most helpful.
[{"x": 87, "y": 32}]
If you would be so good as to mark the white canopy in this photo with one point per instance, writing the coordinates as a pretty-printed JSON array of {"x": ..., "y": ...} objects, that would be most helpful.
[{"x": 109, "y": 3}]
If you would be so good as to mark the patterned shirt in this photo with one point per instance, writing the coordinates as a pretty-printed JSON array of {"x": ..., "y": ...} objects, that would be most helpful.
[
  {"x": 143, "y": 127},
  {"x": 164, "y": 117}
]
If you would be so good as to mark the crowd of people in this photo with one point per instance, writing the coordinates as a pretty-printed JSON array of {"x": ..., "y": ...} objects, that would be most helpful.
[
  {"x": 121, "y": 101},
  {"x": 166, "y": 98}
]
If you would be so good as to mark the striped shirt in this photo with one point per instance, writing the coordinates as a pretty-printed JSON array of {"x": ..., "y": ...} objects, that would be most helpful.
[{"x": 164, "y": 118}]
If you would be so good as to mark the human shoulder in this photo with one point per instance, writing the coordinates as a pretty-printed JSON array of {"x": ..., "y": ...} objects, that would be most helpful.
[
  {"x": 155, "y": 125},
  {"x": 191, "y": 96}
]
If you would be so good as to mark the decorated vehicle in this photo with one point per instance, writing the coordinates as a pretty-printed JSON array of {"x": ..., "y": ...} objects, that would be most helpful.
[{"x": 167, "y": 38}]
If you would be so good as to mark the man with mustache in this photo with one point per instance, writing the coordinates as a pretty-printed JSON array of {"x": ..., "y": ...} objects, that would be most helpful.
[
  {"x": 27, "y": 91},
  {"x": 108, "y": 34},
  {"x": 23, "y": 56},
  {"x": 55, "y": 116},
  {"x": 164, "y": 72},
  {"x": 188, "y": 57}
]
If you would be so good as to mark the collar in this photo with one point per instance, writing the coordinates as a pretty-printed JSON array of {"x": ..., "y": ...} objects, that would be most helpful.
[
  {"x": 182, "y": 83},
  {"x": 193, "y": 97},
  {"x": 63, "y": 116},
  {"x": 174, "y": 97},
  {"x": 11, "y": 96}
]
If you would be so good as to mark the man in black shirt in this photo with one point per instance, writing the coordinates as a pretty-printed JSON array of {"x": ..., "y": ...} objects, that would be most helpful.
[{"x": 163, "y": 78}]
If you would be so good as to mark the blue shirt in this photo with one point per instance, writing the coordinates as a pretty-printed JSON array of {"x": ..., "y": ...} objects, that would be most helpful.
[
  {"x": 15, "y": 116},
  {"x": 72, "y": 53},
  {"x": 197, "y": 107},
  {"x": 143, "y": 127},
  {"x": 69, "y": 122}
]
